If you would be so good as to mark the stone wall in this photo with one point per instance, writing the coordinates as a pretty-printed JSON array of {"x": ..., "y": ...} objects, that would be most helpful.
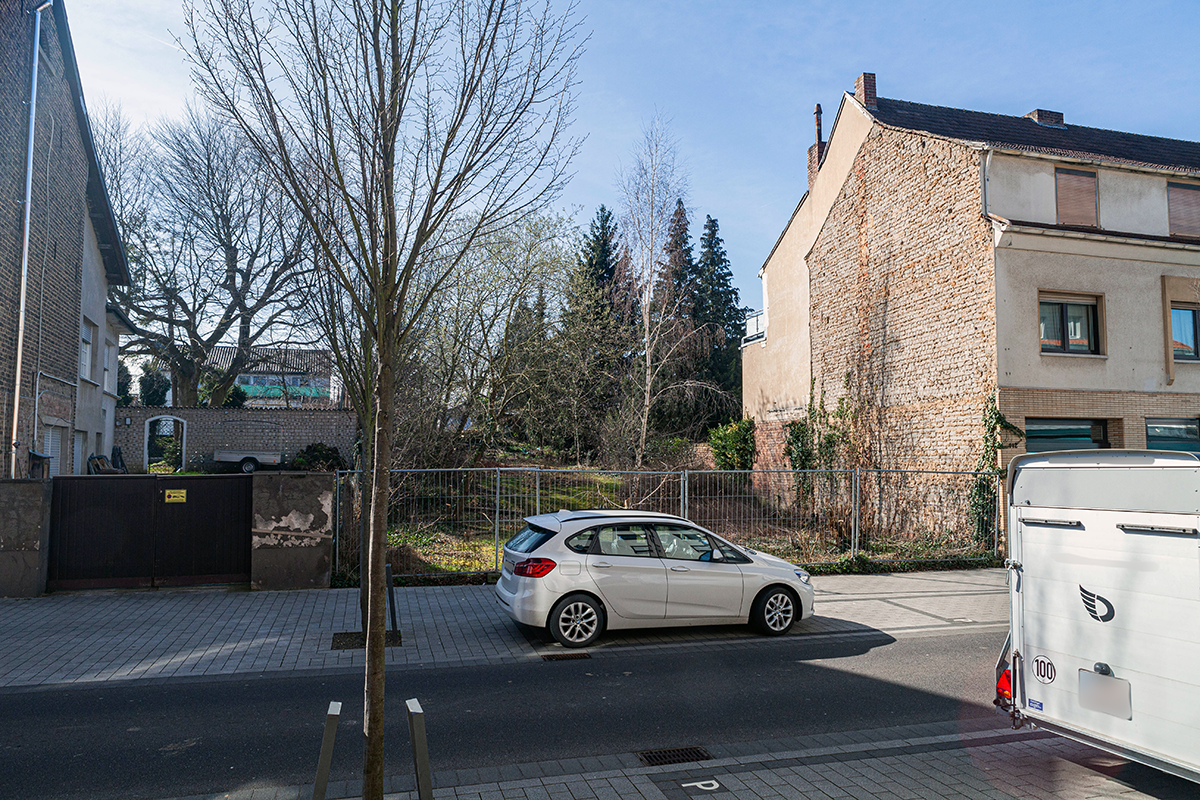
[
  {"x": 210, "y": 428},
  {"x": 57, "y": 213},
  {"x": 292, "y": 534},
  {"x": 902, "y": 309},
  {"x": 24, "y": 537}
]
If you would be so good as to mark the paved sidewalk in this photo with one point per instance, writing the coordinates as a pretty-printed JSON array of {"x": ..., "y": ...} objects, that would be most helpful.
[
  {"x": 976, "y": 760},
  {"x": 71, "y": 638}
]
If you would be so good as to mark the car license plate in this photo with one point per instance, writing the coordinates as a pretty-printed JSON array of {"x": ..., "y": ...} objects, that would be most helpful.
[{"x": 507, "y": 567}]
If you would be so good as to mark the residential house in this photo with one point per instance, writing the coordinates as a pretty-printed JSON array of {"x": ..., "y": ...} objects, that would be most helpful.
[
  {"x": 59, "y": 253},
  {"x": 942, "y": 256},
  {"x": 279, "y": 377}
]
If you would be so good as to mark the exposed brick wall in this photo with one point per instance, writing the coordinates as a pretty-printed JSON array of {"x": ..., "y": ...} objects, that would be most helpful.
[
  {"x": 205, "y": 433},
  {"x": 1125, "y": 412},
  {"x": 770, "y": 436},
  {"x": 901, "y": 280},
  {"x": 57, "y": 231}
]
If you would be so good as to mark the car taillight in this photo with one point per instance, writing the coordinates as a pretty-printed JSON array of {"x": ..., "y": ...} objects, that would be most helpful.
[
  {"x": 1004, "y": 685},
  {"x": 534, "y": 567}
]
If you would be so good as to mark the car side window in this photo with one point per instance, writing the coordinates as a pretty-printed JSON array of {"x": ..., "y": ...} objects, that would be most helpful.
[
  {"x": 582, "y": 541},
  {"x": 624, "y": 540},
  {"x": 729, "y": 552},
  {"x": 686, "y": 544}
]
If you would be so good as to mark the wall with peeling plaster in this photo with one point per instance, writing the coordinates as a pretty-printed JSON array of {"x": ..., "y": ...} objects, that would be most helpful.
[
  {"x": 24, "y": 537},
  {"x": 292, "y": 532}
]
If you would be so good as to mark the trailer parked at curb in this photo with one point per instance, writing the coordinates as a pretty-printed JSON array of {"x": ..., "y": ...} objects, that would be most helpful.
[
  {"x": 1104, "y": 593},
  {"x": 250, "y": 444}
]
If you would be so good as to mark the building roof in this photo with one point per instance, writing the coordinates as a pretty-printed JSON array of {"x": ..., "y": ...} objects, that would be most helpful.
[
  {"x": 1022, "y": 133},
  {"x": 276, "y": 360},
  {"x": 104, "y": 221}
]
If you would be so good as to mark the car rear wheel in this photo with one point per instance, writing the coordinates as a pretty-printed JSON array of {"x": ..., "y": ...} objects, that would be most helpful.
[
  {"x": 774, "y": 612},
  {"x": 576, "y": 621}
]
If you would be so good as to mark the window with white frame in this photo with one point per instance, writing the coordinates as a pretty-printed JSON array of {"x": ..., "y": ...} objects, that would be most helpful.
[
  {"x": 85, "y": 350},
  {"x": 110, "y": 367}
]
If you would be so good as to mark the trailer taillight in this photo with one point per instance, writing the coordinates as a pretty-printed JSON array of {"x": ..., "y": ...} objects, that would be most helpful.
[{"x": 1004, "y": 685}]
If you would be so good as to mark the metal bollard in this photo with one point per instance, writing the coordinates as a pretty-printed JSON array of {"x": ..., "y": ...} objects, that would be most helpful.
[
  {"x": 391, "y": 595},
  {"x": 416, "y": 731},
  {"x": 331, "y": 723}
]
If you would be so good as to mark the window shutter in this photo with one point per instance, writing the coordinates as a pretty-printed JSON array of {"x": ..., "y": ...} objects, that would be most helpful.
[
  {"x": 1183, "y": 209},
  {"x": 1076, "y": 197}
]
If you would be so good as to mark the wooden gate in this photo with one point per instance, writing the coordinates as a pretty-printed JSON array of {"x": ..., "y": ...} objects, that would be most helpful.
[{"x": 110, "y": 531}]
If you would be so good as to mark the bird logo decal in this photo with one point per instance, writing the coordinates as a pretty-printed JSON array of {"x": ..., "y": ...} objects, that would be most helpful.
[{"x": 1099, "y": 607}]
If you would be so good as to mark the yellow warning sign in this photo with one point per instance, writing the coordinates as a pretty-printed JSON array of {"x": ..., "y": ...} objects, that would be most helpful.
[{"x": 176, "y": 495}]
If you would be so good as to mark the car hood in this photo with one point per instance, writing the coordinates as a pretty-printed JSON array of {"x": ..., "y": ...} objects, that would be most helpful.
[{"x": 773, "y": 561}]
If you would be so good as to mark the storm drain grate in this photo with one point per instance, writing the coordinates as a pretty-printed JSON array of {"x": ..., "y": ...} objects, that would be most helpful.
[
  {"x": 678, "y": 755},
  {"x": 564, "y": 656}
]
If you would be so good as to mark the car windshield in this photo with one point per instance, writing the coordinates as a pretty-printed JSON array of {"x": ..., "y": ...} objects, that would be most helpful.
[{"x": 529, "y": 539}]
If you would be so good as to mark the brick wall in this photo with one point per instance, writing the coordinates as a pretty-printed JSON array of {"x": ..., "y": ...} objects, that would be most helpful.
[
  {"x": 1125, "y": 412},
  {"x": 205, "y": 431},
  {"x": 902, "y": 300},
  {"x": 56, "y": 235}
]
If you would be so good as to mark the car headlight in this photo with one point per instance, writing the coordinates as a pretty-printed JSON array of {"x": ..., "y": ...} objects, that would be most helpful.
[{"x": 803, "y": 576}]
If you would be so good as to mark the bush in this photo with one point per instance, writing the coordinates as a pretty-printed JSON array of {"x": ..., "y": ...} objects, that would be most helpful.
[
  {"x": 733, "y": 445},
  {"x": 318, "y": 457}
]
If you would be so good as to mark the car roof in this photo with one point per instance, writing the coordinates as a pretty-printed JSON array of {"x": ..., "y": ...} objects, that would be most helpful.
[{"x": 562, "y": 519}]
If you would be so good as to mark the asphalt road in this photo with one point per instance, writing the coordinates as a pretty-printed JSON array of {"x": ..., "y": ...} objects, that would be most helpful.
[{"x": 190, "y": 737}]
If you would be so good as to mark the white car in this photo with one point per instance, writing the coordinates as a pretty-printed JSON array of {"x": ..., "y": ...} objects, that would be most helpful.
[{"x": 579, "y": 573}]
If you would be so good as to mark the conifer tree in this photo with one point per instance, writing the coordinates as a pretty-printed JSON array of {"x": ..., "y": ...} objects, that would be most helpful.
[
  {"x": 717, "y": 306},
  {"x": 598, "y": 251}
]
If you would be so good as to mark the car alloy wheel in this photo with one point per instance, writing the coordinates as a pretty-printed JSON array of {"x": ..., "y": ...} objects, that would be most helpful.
[
  {"x": 779, "y": 611},
  {"x": 576, "y": 621},
  {"x": 774, "y": 612}
]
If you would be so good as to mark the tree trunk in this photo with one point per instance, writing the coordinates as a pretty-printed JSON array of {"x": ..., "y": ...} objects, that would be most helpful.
[{"x": 385, "y": 391}]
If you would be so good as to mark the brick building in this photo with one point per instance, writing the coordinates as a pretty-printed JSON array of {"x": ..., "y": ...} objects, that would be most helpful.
[
  {"x": 942, "y": 256},
  {"x": 284, "y": 377},
  {"x": 67, "y": 381}
]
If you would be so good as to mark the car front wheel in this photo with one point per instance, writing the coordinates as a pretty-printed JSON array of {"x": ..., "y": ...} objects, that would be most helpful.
[
  {"x": 774, "y": 612},
  {"x": 576, "y": 621}
]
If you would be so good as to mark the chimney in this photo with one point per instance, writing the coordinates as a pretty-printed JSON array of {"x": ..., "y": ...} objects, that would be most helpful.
[
  {"x": 1041, "y": 116},
  {"x": 864, "y": 90},
  {"x": 816, "y": 151}
]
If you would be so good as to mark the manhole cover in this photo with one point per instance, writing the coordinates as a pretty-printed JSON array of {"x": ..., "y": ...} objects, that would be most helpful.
[
  {"x": 564, "y": 656},
  {"x": 678, "y": 755}
]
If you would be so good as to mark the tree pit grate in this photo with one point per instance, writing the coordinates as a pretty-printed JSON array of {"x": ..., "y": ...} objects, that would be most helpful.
[{"x": 677, "y": 755}]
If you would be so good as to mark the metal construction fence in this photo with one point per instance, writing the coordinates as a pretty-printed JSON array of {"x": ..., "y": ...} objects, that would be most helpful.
[{"x": 456, "y": 520}]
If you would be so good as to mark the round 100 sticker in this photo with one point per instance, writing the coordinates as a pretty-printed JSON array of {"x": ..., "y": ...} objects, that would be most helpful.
[{"x": 1043, "y": 669}]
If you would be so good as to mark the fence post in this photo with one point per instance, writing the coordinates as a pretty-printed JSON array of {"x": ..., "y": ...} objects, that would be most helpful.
[
  {"x": 337, "y": 516},
  {"x": 683, "y": 492},
  {"x": 855, "y": 515},
  {"x": 537, "y": 490},
  {"x": 496, "y": 568}
]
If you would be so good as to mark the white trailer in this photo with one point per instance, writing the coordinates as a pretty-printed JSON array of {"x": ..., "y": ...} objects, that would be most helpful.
[
  {"x": 250, "y": 444},
  {"x": 1104, "y": 590}
]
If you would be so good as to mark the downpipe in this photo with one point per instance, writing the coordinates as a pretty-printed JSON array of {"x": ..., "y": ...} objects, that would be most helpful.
[{"x": 33, "y": 83}]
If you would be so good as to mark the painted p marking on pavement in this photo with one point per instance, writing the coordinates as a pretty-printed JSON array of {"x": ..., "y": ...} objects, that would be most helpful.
[{"x": 710, "y": 785}]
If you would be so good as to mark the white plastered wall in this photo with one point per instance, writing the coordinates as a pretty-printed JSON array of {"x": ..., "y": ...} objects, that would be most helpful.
[{"x": 776, "y": 371}]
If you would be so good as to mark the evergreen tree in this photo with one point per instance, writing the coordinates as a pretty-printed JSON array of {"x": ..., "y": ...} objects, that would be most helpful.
[
  {"x": 681, "y": 264},
  {"x": 717, "y": 307},
  {"x": 153, "y": 385},
  {"x": 598, "y": 254}
]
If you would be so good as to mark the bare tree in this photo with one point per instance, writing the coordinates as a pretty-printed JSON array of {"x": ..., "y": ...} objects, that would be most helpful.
[
  {"x": 216, "y": 249},
  {"x": 403, "y": 132},
  {"x": 651, "y": 186}
]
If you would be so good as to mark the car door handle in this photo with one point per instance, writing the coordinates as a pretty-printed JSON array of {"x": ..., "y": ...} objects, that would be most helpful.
[
  {"x": 602, "y": 565},
  {"x": 680, "y": 569}
]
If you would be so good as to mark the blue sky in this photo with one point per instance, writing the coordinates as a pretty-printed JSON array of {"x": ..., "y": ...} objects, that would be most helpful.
[{"x": 739, "y": 80}]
